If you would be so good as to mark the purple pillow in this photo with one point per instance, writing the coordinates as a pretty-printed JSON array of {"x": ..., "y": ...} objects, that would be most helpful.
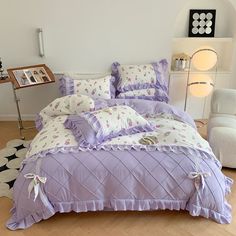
[
  {"x": 82, "y": 131},
  {"x": 147, "y": 81},
  {"x": 91, "y": 128}
]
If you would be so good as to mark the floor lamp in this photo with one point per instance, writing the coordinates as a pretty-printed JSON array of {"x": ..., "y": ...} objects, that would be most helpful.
[{"x": 201, "y": 84}]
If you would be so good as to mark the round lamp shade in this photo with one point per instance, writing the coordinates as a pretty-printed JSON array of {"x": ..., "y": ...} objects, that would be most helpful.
[
  {"x": 201, "y": 85},
  {"x": 204, "y": 59}
]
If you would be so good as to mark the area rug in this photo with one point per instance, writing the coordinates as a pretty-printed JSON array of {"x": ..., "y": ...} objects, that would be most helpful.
[{"x": 10, "y": 160}]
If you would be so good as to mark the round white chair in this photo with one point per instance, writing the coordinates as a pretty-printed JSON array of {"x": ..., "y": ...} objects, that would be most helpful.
[{"x": 222, "y": 126}]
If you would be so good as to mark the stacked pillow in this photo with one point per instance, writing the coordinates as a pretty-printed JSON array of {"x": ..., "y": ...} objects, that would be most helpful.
[
  {"x": 147, "y": 81},
  {"x": 101, "y": 87}
]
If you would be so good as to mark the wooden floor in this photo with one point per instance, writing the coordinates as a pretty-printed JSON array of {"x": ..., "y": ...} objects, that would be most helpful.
[{"x": 162, "y": 223}]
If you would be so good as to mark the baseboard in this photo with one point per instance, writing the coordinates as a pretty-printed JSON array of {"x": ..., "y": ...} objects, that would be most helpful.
[{"x": 14, "y": 117}]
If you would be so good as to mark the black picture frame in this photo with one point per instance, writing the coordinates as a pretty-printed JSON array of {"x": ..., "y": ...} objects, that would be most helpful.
[{"x": 202, "y": 22}]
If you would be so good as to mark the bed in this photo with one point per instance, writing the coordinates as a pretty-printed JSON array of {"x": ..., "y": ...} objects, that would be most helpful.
[{"x": 168, "y": 166}]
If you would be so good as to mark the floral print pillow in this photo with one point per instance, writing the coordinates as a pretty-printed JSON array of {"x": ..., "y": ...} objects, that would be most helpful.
[
  {"x": 95, "y": 88},
  {"x": 136, "y": 74},
  {"x": 67, "y": 105},
  {"x": 148, "y": 94},
  {"x": 115, "y": 121},
  {"x": 139, "y": 77}
]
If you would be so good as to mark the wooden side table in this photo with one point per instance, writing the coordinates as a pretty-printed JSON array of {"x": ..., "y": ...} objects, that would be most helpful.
[{"x": 28, "y": 76}]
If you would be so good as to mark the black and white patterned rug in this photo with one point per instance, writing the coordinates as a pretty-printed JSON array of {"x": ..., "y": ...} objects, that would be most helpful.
[{"x": 10, "y": 160}]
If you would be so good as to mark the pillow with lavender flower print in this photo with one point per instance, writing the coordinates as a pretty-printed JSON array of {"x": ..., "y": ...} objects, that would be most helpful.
[{"x": 91, "y": 128}]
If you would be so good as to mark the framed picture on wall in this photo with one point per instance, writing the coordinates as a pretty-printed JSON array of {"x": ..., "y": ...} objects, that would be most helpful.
[
  {"x": 31, "y": 75},
  {"x": 202, "y": 23}
]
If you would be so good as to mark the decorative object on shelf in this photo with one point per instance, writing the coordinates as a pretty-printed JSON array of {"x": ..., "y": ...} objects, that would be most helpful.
[
  {"x": 202, "y": 23},
  {"x": 2, "y": 76},
  {"x": 180, "y": 62},
  {"x": 23, "y": 77},
  {"x": 200, "y": 84},
  {"x": 41, "y": 42}
]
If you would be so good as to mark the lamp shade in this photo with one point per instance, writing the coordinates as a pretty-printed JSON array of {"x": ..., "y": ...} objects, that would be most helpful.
[
  {"x": 204, "y": 59},
  {"x": 201, "y": 85}
]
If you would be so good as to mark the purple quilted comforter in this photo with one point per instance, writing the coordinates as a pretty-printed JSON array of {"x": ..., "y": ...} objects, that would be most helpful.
[{"x": 141, "y": 180}]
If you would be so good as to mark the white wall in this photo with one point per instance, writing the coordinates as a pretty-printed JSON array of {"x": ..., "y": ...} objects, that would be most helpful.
[{"x": 82, "y": 36}]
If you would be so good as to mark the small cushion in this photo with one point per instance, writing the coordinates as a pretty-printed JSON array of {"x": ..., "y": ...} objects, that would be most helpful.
[
  {"x": 70, "y": 104},
  {"x": 98, "y": 126}
]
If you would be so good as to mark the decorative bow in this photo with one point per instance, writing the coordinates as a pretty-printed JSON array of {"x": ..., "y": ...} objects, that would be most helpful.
[
  {"x": 199, "y": 178},
  {"x": 35, "y": 184}
]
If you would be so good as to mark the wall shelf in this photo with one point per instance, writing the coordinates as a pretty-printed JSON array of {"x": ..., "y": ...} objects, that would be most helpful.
[
  {"x": 204, "y": 39},
  {"x": 176, "y": 72}
]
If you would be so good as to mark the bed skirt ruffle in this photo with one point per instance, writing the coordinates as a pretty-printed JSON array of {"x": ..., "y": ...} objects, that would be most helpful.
[{"x": 119, "y": 205}]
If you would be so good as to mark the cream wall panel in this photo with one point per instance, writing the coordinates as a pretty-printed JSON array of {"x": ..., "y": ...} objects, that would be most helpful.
[{"x": 81, "y": 35}]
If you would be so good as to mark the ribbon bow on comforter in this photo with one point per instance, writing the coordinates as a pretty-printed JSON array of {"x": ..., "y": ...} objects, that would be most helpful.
[
  {"x": 199, "y": 178},
  {"x": 35, "y": 184}
]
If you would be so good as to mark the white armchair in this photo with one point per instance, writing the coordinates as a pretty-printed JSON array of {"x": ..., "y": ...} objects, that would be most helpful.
[{"x": 222, "y": 126}]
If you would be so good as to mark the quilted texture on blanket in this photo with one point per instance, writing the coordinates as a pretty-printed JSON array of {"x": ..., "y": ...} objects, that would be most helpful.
[{"x": 121, "y": 181}]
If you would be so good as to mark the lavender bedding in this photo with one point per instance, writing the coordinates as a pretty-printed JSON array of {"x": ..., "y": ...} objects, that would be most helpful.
[
  {"x": 147, "y": 81},
  {"x": 171, "y": 168}
]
